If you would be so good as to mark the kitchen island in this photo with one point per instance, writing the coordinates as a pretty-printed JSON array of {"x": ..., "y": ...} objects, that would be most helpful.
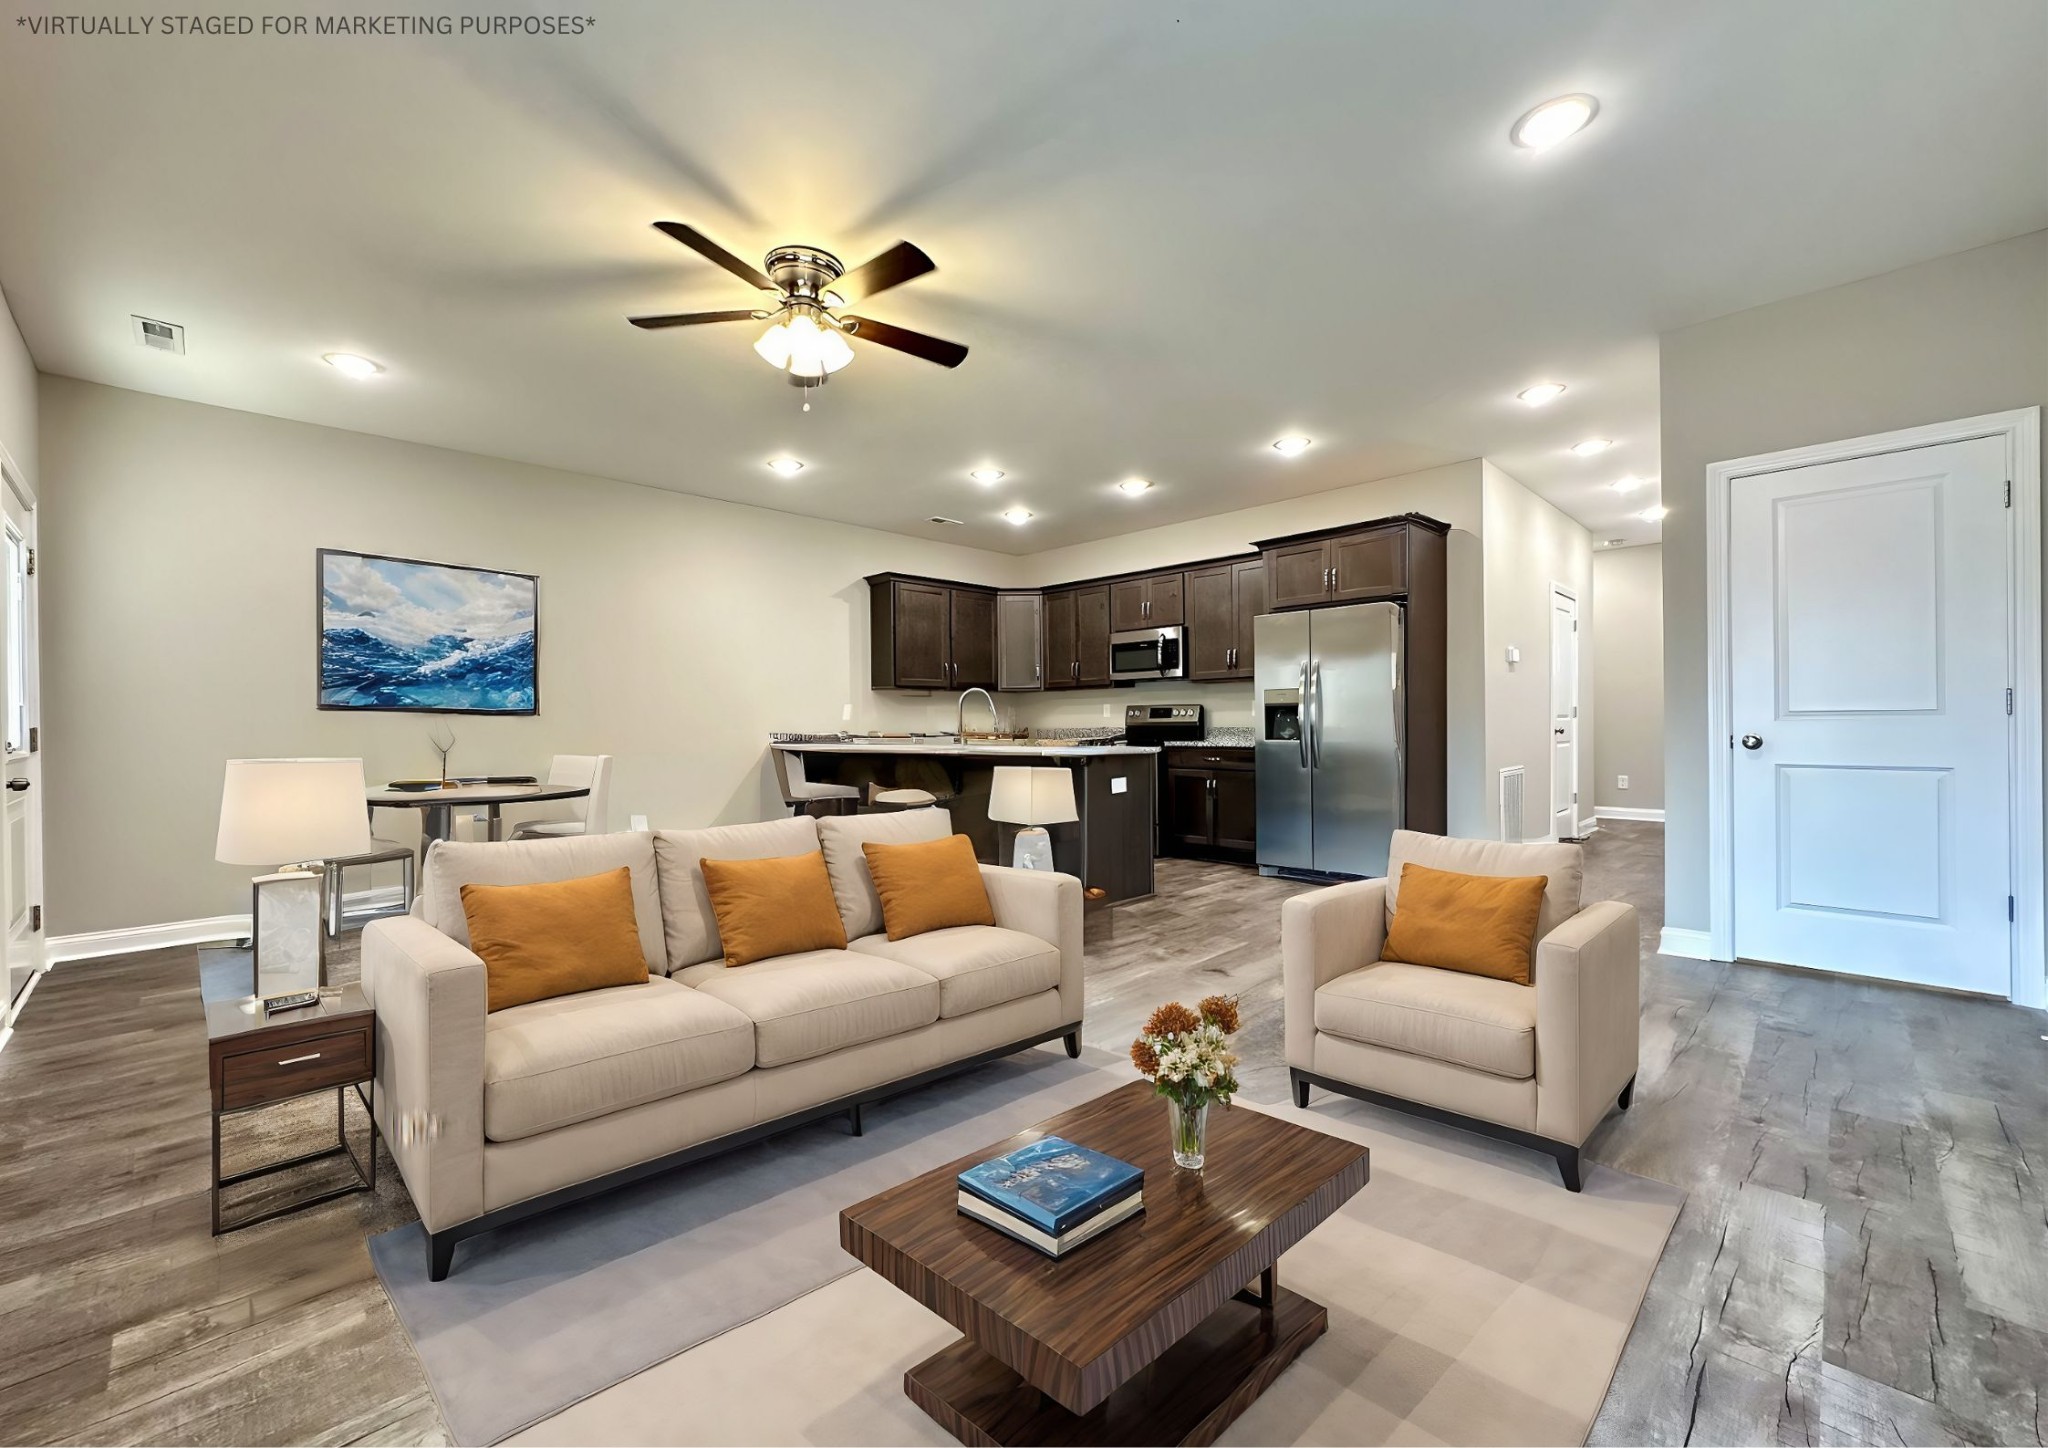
[{"x": 1109, "y": 847}]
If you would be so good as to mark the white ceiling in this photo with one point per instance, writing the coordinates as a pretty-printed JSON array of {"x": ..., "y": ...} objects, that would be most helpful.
[{"x": 1170, "y": 232}]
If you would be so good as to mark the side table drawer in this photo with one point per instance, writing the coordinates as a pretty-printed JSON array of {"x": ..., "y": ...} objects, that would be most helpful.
[{"x": 251, "y": 1078}]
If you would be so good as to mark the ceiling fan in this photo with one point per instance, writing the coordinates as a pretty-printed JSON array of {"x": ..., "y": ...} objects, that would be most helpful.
[{"x": 806, "y": 336}]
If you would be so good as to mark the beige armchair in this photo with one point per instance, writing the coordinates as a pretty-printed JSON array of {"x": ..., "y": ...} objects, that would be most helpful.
[{"x": 1539, "y": 1065}]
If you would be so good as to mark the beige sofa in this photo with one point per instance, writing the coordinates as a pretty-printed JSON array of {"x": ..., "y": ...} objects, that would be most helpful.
[
  {"x": 1537, "y": 1064},
  {"x": 494, "y": 1117}
]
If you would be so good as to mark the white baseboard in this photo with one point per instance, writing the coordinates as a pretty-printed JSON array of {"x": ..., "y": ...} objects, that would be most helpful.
[
  {"x": 1589, "y": 824},
  {"x": 1688, "y": 944},
  {"x": 92, "y": 944},
  {"x": 1617, "y": 812}
]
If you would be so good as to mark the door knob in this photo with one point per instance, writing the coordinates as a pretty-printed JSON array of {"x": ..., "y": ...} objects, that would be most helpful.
[
  {"x": 17, "y": 784},
  {"x": 1752, "y": 741}
]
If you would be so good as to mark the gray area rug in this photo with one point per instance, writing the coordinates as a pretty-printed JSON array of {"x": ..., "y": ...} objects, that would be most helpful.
[{"x": 537, "y": 1316}]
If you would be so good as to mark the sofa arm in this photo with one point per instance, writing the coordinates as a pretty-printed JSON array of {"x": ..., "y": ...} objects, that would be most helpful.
[
  {"x": 1588, "y": 1018},
  {"x": 428, "y": 992},
  {"x": 1324, "y": 934},
  {"x": 1046, "y": 904}
]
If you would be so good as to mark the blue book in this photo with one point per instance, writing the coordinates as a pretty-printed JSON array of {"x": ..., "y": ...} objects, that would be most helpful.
[{"x": 1052, "y": 1184}]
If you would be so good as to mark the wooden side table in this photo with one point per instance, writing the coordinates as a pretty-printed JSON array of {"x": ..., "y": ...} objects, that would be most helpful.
[{"x": 254, "y": 1060}]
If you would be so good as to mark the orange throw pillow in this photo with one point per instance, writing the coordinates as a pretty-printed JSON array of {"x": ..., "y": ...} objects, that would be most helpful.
[
  {"x": 777, "y": 906},
  {"x": 1479, "y": 924},
  {"x": 538, "y": 941},
  {"x": 929, "y": 886}
]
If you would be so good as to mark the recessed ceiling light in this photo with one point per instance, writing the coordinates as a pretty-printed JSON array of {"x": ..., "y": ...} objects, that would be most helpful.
[
  {"x": 1654, "y": 513},
  {"x": 1541, "y": 393},
  {"x": 788, "y": 467},
  {"x": 1017, "y": 517},
  {"x": 1290, "y": 447},
  {"x": 1134, "y": 486},
  {"x": 350, "y": 365},
  {"x": 1626, "y": 484},
  {"x": 1553, "y": 121},
  {"x": 1592, "y": 446},
  {"x": 987, "y": 475}
]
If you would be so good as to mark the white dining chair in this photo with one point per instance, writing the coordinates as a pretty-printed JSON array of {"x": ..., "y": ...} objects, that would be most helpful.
[{"x": 585, "y": 816}]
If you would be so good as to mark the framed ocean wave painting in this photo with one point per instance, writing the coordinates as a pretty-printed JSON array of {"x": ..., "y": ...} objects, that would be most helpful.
[{"x": 431, "y": 638}]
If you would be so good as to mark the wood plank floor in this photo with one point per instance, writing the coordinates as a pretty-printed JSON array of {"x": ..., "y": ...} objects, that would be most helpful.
[{"x": 1863, "y": 1255}]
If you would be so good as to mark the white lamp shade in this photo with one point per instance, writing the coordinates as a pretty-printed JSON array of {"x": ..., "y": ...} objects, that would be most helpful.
[
  {"x": 1027, "y": 795},
  {"x": 282, "y": 811}
]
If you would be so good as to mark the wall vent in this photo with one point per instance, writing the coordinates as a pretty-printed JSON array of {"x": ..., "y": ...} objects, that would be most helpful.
[
  {"x": 949, "y": 522},
  {"x": 160, "y": 336},
  {"x": 1511, "y": 780}
]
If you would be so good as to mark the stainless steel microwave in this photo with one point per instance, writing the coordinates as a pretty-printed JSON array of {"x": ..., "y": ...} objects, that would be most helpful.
[{"x": 1148, "y": 653}]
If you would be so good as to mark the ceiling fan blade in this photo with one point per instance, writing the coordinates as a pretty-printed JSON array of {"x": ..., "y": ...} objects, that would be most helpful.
[
  {"x": 899, "y": 264},
  {"x": 710, "y": 250},
  {"x": 917, "y": 344},
  {"x": 689, "y": 319}
]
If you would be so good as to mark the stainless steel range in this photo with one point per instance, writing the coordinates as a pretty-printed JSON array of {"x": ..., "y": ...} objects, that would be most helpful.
[{"x": 1163, "y": 724}]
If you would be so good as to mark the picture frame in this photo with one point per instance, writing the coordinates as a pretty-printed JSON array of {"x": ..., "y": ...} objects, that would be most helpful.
[{"x": 413, "y": 636}]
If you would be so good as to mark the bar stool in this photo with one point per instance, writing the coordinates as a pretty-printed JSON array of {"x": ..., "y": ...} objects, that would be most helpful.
[
  {"x": 382, "y": 852},
  {"x": 891, "y": 801},
  {"x": 804, "y": 797}
]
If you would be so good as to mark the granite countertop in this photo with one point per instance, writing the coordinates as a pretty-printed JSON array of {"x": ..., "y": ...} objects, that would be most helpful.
[{"x": 948, "y": 746}]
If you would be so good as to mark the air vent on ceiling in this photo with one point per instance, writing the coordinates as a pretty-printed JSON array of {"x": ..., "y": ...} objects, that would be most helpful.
[
  {"x": 162, "y": 336},
  {"x": 949, "y": 522}
]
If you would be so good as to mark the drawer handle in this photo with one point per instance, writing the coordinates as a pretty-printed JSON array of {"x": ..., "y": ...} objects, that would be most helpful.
[{"x": 295, "y": 1060}]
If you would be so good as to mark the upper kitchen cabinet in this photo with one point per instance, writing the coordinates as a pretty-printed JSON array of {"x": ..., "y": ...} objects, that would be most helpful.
[
  {"x": 1020, "y": 641},
  {"x": 1350, "y": 565},
  {"x": 1151, "y": 602},
  {"x": 928, "y": 634},
  {"x": 1077, "y": 638},
  {"x": 1222, "y": 601}
]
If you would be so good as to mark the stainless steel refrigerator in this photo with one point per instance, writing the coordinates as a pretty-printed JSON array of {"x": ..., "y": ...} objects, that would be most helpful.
[{"x": 1330, "y": 699}]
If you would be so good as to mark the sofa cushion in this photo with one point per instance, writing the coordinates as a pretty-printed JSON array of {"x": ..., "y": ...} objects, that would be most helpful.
[
  {"x": 976, "y": 966},
  {"x": 575, "y": 1057},
  {"x": 1562, "y": 866},
  {"x": 778, "y": 906},
  {"x": 819, "y": 1002},
  {"x": 842, "y": 837},
  {"x": 928, "y": 886},
  {"x": 1480, "y": 924},
  {"x": 689, "y": 927},
  {"x": 1445, "y": 1015},
  {"x": 451, "y": 864},
  {"x": 538, "y": 941}
]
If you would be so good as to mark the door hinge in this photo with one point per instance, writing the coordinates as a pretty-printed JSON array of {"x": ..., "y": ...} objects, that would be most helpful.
[
  {"x": 2008, "y": 910},
  {"x": 2008, "y": 503},
  {"x": 2008, "y": 701},
  {"x": 35, "y": 917},
  {"x": 31, "y": 563},
  {"x": 35, "y": 738}
]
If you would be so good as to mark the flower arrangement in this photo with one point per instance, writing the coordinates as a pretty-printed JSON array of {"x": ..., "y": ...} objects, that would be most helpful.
[{"x": 1187, "y": 1057}]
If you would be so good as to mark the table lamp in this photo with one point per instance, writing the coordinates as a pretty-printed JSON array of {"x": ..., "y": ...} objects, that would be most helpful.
[
  {"x": 294, "y": 814},
  {"x": 1033, "y": 797}
]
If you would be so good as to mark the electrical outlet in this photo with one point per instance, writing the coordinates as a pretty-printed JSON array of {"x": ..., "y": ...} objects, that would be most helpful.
[
  {"x": 1621, "y": 781},
  {"x": 639, "y": 824},
  {"x": 845, "y": 713},
  {"x": 1105, "y": 711}
]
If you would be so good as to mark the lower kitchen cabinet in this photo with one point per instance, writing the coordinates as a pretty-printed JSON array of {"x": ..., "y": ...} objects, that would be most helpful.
[{"x": 1209, "y": 805}]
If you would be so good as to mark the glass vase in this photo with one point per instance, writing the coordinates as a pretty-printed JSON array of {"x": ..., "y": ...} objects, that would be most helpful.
[{"x": 1190, "y": 1128}]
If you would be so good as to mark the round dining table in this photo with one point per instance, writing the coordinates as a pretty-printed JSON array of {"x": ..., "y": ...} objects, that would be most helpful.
[{"x": 439, "y": 804}]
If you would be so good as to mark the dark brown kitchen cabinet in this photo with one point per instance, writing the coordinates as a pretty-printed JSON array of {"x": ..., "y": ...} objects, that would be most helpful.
[
  {"x": 1342, "y": 568},
  {"x": 1222, "y": 601},
  {"x": 1210, "y": 806},
  {"x": 1077, "y": 638},
  {"x": 1020, "y": 641},
  {"x": 928, "y": 634},
  {"x": 1060, "y": 658},
  {"x": 1153, "y": 602}
]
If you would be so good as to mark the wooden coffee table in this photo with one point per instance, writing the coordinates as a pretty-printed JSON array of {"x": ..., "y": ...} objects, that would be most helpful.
[{"x": 1151, "y": 1332}]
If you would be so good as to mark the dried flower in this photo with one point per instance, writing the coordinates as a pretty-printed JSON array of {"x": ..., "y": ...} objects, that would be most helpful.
[
  {"x": 1220, "y": 1011},
  {"x": 1172, "y": 1019},
  {"x": 1144, "y": 1057}
]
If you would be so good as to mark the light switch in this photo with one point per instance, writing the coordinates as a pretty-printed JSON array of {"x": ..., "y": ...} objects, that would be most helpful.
[
  {"x": 1514, "y": 656},
  {"x": 1621, "y": 781},
  {"x": 845, "y": 713}
]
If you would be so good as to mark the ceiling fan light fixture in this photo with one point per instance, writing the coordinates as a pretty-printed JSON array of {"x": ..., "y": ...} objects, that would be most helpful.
[
  {"x": 798, "y": 345},
  {"x": 1291, "y": 447}
]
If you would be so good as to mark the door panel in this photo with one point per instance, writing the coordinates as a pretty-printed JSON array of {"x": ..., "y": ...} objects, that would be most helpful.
[
  {"x": 1187, "y": 809},
  {"x": 1127, "y": 605},
  {"x": 1212, "y": 622},
  {"x": 1020, "y": 647},
  {"x": 1235, "y": 810},
  {"x": 924, "y": 622},
  {"x": 973, "y": 639},
  {"x": 1249, "y": 581},
  {"x": 1564, "y": 715},
  {"x": 1354, "y": 750},
  {"x": 1286, "y": 831},
  {"x": 1062, "y": 663},
  {"x": 1867, "y": 617},
  {"x": 1370, "y": 565},
  {"x": 1298, "y": 575},
  {"x": 21, "y": 851},
  {"x": 1091, "y": 635},
  {"x": 1163, "y": 593}
]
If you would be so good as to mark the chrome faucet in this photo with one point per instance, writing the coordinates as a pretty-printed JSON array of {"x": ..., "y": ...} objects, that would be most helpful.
[{"x": 995, "y": 722}]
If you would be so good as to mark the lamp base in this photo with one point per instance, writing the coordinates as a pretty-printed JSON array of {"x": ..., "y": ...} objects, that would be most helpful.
[
  {"x": 288, "y": 931},
  {"x": 1033, "y": 850}
]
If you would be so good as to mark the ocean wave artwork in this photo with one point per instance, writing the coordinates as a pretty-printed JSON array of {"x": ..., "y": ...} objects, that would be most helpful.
[{"x": 398, "y": 633}]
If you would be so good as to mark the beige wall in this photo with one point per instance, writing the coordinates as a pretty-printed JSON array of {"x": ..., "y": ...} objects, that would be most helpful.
[
  {"x": 179, "y": 619},
  {"x": 1449, "y": 494},
  {"x": 17, "y": 397},
  {"x": 1948, "y": 338},
  {"x": 1628, "y": 681},
  {"x": 1529, "y": 546}
]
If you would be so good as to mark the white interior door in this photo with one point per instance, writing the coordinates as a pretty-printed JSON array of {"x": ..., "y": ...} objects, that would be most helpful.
[
  {"x": 21, "y": 816},
  {"x": 1871, "y": 797},
  {"x": 1564, "y": 715}
]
